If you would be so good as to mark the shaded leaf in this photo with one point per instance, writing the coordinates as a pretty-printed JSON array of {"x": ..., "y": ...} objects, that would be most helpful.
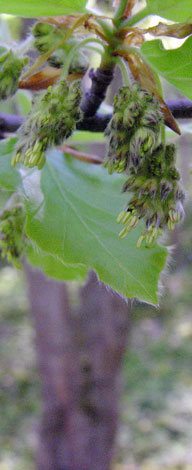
[{"x": 9, "y": 177}]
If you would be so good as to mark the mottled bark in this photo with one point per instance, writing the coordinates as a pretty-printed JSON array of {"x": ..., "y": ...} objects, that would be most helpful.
[{"x": 80, "y": 353}]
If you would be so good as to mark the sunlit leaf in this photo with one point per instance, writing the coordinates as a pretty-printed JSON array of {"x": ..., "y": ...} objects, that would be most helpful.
[
  {"x": 176, "y": 10},
  {"x": 72, "y": 209},
  {"x": 34, "y": 8},
  {"x": 175, "y": 65}
]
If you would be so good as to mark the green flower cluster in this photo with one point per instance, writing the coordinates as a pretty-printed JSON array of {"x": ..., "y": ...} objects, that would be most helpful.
[
  {"x": 135, "y": 148},
  {"x": 12, "y": 240},
  {"x": 52, "y": 119},
  {"x": 157, "y": 196},
  {"x": 134, "y": 130},
  {"x": 48, "y": 36},
  {"x": 10, "y": 71}
]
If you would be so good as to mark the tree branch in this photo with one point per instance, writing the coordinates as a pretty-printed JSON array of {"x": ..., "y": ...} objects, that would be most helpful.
[
  {"x": 181, "y": 109},
  {"x": 101, "y": 79}
]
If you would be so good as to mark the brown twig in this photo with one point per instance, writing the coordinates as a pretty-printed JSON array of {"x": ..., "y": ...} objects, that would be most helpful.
[
  {"x": 128, "y": 9},
  {"x": 84, "y": 157}
]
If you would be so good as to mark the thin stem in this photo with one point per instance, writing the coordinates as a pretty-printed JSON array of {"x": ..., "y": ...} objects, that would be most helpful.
[
  {"x": 119, "y": 13},
  {"x": 124, "y": 51},
  {"x": 95, "y": 49},
  {"x": 76, "y": 47},
  {"x": 159, "y": 86},
  {"x": 124, "y": 71},
  {"x": 84, "y": 157},
  {"x": 163, "y": 136},
  {"x": 107, "y": 29},
  {"x": 135, "y": 18}
]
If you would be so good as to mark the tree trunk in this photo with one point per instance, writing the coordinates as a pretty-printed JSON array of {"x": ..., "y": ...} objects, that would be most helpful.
[{"x": 79, "y": 354}]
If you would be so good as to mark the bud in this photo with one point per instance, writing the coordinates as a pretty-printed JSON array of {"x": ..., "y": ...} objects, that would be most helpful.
[
  {"x": 131, "y": 113},
  {"x": 179, "y": 193},
  {"x": 170, "y": 154},
  {"x": 165, "y": 188},
  {"x": 79, "y": 64},
  {"x": 152, "y": 118},
  {"x": 149, "y": 188},
  {"x": 10, "y": 71},
  {"x": 124, "y": 232},
  {"x": 171, "y": 225},
  {"x": 173, "y": 174},
  {"x": 52, "y": 119},
  {"x": 121, "y": 216},
  {"x": 140, "y": 241},
  {"x": 128, "y": 137},
  {"x": 143, "y": 142},
  {"x": 117, "y": 122},
  {"x": 12, "y": 242},
  {"x": 46, "y": 36},
  {"x": 123, "y": 96},
  {"x": 134, "y": 147},
  {"x": 176, "y": 213}
]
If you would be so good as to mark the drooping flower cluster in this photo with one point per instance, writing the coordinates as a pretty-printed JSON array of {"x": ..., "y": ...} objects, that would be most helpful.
[
  {"x": 134, "y": 129},
  {"x": 135, "y": 148},
  {"x": 10, "y": 70},
  {"x": 52, "y": 119},
  {"x": 12, "y": 240},
  {"x": 48, "y": 36}
]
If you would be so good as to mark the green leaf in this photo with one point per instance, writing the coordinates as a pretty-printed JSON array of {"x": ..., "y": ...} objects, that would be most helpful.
[
  {"x": 87, "y": 137},
  {"x": 34, "y": 8},
  {"x": 175, "y": 10},
  {"x": 72, "y": 209},
  {"x": 9, "y": 177},
  {"x": 53, "y": 267},
  {"x": 175, "y": 65}
]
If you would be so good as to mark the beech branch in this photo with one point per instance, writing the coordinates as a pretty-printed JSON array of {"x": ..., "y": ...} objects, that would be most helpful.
[
  {"x": 101, "y": 79},
  {"x": 181, "y": 109}
]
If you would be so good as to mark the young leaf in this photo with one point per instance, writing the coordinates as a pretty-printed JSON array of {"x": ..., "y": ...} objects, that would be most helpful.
[
  {"x": 175, "y": 10},
  {"x": 72, "y": 209},
  {"x": 34, "y": 8},
  {"x": 175, "y": 65},
  {"x": 53, "y": 267}
]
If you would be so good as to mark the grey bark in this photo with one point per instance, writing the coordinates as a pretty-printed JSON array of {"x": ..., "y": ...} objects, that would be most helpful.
[{"x": 79, "y": 353}]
